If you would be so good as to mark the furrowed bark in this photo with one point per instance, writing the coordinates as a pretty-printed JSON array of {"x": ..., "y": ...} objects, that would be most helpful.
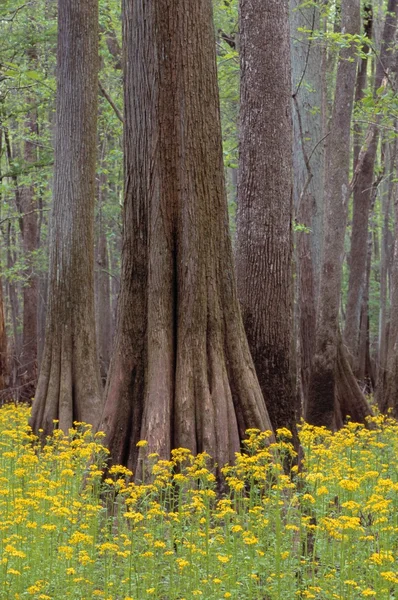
[
  {"x": 265, "y": 203},
  {"x": 181, "y": 372},
  {"x": 69, "y": 386}
]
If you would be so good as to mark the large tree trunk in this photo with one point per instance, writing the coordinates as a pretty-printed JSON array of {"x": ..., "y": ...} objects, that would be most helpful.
[
  {"x": 265, "y": 202},
  {"x": 308, "y": 168},
  {"x": 329, "y": 364},
  {"x": 69, "y": 382},
  {"x": 181, "y": 372},
  {"x": 363, "y": 192}
]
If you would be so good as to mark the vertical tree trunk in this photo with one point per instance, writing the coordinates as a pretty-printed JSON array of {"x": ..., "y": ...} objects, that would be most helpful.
[
  {"x": 308, "y": 168},
  {"x": 103, "y": 298},
  {"x": 27, "y": 205},
  {"x": 69, "y": 386},
  {"x": 3, "y": 347},
  {"x": 331, "y": 377},
  {"x": 363, "y": 192},
  {"x": 12, "y": 293},
  {"x": 181, "y": 372},
  {"x": 264, "y": 215},
  {"x": 390, "y": 388},
  {"x": 389, "y": 156},
  {"x": 365, "y": 373}
]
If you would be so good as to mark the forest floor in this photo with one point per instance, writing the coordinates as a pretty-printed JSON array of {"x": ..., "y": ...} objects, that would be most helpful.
[{"x": 329, "y": 531}]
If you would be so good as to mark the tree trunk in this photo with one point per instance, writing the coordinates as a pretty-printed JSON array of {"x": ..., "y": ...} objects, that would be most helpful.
[
  {"x": 363, "y": 192},
  {"x": 308, "y": 168},
  {"x": 265, "y": 203},
  {"x": 27, "y": 206},
  {"x": 12, "y": 293},
  {"x": 329, "y": 371},
  {"x": 69, "y": 382},
  {"x": 390, "y": 395},
  {"x": 3, "y": 348},
  {"x": 103, "y": 301},
  {"x": 181, "y": 372},
  {"x": 389, "y": 156},
  {"x": 365, "y": 373}
]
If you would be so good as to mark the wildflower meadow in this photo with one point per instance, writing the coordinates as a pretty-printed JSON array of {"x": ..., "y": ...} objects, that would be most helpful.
[{"x": 326, "y": 530}]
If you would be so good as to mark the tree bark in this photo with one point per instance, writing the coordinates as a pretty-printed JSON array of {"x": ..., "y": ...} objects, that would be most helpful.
[
  {"x": 103, "y": 297},
  {"x": 265, "y": 203},
  {"x": 3, "y": 347},
  {"x": 330, "y": 372},
  {"x": 181, "y": 372},
  {"x": 387, "y": 249},
  {"x": 363, "y": 192},
  {"x": 308, "y": 167},
  {"x": 69, "y": 386},
  {"x": 389, "y": 400},
  {"x": 27, "y": 205}
]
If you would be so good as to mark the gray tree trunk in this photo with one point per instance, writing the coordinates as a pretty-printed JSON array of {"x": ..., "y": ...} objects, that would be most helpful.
[
  {"x": 308, "y": 65},
  {"x": 69, "y": 387},
  {"x": 331, "y": 375},
  {"x": 363, "y": 192},
  {"x": 265, "y": 202}
]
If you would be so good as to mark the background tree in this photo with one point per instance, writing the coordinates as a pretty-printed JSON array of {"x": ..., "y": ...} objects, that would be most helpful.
[
  {"x": 69, "y": 383},
  {"x": 364, "y": 191},
  {"x": 309, "y": 98},
  {"x": 265, "y": 203},
  {"x": 181, "y": 372},
  {"x": 326, "y": 404}
]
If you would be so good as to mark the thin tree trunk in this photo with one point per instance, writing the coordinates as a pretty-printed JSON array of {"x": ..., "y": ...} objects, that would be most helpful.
[
  {"x": 103, "y": 301},
  {"x": 364, "y": 374},
  {"x": 389, "y": 157},
  {"x": 363, "y": 191},
  {"x": 331, "y": 376},
  {"x": 181, "y": 372},
  {"x": 390, "y": 395},
  {"x": 69, "y": 387},
  {"x": 27, "y": 205},
  {"x": 3, "y": 347},
  {"x": 308, "y": 162}
]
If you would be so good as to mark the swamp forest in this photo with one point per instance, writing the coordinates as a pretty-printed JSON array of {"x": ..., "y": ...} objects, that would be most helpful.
[{"x": 198, "y": 299}]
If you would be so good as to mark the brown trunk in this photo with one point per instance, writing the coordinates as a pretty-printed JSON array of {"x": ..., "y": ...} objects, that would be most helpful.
[
  {"x": 308, "y": 165},
  {"x": 115, "y": 251},
  {"x": 365, "y": 375},
  {"x": 329, "y": 369},
  {"x": 362, "y": 201},
  {"x": 15, "y": 348},
  {"x": 390, "y": 391},
  {"x": 389, "y": 157},
  {"x": 69, "y": 382},
  {"x": 264, "y": 216},
  {"x": 27, "y": 205},
  {"x": 3, "y": 347},
  {"x": 181, "y": 373},
  {"x": 103, "y": 301}
]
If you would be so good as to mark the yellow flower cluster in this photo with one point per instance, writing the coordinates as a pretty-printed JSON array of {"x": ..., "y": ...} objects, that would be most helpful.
[{"x": 264, "y": 529}]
